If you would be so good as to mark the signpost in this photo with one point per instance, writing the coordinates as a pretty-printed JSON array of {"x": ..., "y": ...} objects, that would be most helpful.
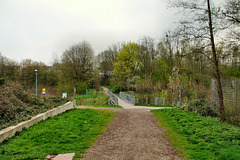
[
  {"x": 179, "y": 97},
  {"x": 64, "y": 95},
  {"x": 74, "y": 89},
  {"x": 43, "y": 92}
]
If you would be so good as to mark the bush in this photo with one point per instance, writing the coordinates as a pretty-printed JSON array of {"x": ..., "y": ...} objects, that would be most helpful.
[
  {"x": 65, "y": 87},
  {"x": 117, "y": 89},
  {"x": 202, "y": 107},
  {"x": 2, "y": 81},
  {"x": 81, "y": 87},
  {"x": 17, "y": 105}
]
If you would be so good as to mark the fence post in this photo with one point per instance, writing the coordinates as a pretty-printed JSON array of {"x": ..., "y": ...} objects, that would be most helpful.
[
  {"x": 213, "y": 91},
  {"x": 179, "y": 97},
  {"x": 233, "y": 93},
  {"x": 236, "y": 91}
]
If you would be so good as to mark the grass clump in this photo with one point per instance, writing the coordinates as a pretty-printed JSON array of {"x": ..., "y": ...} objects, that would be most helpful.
[
  {"x": 197, "y": 137},
  {"x": 72, "y": 131}
]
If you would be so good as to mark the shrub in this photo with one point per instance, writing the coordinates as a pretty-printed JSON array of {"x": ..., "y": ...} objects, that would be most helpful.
[
  {"x": 117, "y": 88},
  {"x": 2, "y": 81},
  {"x": 202, "y": 107},
  {"x": 17, "y": 105},
  {"x": 65, "y": 87},
  {"x": 81, "y": 87}
]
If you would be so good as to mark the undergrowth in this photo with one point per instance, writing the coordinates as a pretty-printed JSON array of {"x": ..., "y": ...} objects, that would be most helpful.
[
  {"x": 17, "y": 105},
  {"x": 94, "y": 100}
]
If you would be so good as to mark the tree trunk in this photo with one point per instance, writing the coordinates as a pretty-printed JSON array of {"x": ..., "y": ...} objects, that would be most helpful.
[{"x": 217, "y": 74}]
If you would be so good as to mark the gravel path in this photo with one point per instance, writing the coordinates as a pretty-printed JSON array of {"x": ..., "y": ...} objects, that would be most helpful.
[{"x": 133, "y": 135}]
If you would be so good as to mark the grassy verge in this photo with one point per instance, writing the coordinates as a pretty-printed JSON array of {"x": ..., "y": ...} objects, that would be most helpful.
[
  {"x": 108, "y": 87},
  {"x": 100, "y": 100},
  {"x": 72, "y": 131},
  {"x": 197, "y": 137},
  {"x": 100, "y": 105},
  {"x": 151, "y": 105}
]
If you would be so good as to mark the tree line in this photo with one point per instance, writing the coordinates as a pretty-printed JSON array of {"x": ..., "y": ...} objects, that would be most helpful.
[{"x": 205, "y": 45}]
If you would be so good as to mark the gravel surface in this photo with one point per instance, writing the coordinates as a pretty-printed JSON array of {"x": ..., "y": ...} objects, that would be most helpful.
[{"x": 133, "y": 135}]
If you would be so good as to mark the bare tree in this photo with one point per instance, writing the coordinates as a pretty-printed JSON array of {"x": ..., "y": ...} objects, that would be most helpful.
[
  {"x": 231, "y": 19},
  {"x": 198, "y": 23},
  {"x": 215, "y": 61},
  {"x": 77, "y": 62},
  {"x": 148, "y": 55},
  {"x": 232, "y": 11},
  {"x": 106, "y": 59}
]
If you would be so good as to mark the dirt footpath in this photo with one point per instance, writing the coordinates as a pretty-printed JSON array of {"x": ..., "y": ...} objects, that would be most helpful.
[{"x": 133, "y": 135}]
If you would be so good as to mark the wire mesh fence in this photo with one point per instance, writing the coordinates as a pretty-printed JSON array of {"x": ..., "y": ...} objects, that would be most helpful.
[
  {"x": 231, "y": 96},
  {"x": 160, "y": 101}
]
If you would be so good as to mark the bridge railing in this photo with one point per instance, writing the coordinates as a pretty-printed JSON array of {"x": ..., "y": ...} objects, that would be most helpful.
[
  {"x": 113, "y": 98},
  {"x": 129, "y": 98}
]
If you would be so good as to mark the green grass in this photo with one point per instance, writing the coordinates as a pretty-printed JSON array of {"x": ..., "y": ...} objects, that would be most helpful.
[
  {"x": 101, "y": 105},
  {"x": 108, "y": 87},
  {"x": 91, "y": 94},
  {"x": 72, "y": 131},
  {"x": 100, "y": 100},
  {"x": 200, "y": 138},
  {"x": 151, "y": 105}
]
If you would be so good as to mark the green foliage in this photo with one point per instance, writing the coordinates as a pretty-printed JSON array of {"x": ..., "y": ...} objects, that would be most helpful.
[
  {"x": 94, "y": 99},
  {"x": 17, "y": 105},
  {"x": 127, "y": 62},
  {"x": 64, "y": 86},
  {"x": 207, "y": 138},
  {"x": 164, "y": 93},
  {"x": 91, "y": 94},
  {"x": 2, "y": 81},
  {"x": 71, "y": 132},
  {"x": 118, "y": 89},
  {"x": 81, "y": 87},
  {"x": 161, "y": 72},
  {"x": 230, "y": 71},
  {"x": 202, "y": 107},
  {"x": 46, "y": 76},
  {"x": 151, "y": 105}
]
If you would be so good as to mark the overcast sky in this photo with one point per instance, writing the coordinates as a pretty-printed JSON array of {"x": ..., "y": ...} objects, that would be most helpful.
[{"x": 37, "y": 29}]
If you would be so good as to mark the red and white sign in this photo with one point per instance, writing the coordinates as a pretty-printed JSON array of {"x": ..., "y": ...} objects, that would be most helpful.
[{"x": 43, "y": 93}]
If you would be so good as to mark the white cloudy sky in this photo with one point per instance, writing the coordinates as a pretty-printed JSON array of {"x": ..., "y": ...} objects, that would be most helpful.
[{"x": 36, "y": 29}]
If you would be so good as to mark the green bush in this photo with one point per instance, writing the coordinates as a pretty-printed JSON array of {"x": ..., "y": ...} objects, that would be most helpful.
[
  {"x": 65, "y": 87},
  {"x": 202, "y": 107},
  {"x": 81, "y": 87},
  {"x": 2, "y": 81},
  {"x": 17, "y": 105},
  {"x": 117, "y": 89}
]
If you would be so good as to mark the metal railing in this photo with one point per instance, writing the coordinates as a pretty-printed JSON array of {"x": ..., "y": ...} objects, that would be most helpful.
[
  {"x": 129, "y": 98},
  {"x": 113, "y": 98}
]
